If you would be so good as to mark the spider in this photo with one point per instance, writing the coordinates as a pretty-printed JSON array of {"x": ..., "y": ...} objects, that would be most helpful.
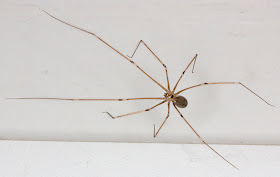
[{"x": 170, "y": 95}]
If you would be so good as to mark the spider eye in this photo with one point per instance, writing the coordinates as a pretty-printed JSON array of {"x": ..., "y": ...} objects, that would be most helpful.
[{"x": 181, "y": 101}]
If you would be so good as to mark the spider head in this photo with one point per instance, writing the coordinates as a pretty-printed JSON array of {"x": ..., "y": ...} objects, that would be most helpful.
[{"x": 180, "y": 101}]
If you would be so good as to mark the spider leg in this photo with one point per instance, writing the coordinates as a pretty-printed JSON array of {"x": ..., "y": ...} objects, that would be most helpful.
[
  {"x": 202, "y": 139},
  {"x": 107, "y": 45},
  {"x": 88, "y": 99},
  {"x": 141, "y": 41},
  {"x": 214, "y": 83},
  {"x": 136, "y": 111},
  {"x": 193, "y": 60},
  {"x": 155, "y": 134}
]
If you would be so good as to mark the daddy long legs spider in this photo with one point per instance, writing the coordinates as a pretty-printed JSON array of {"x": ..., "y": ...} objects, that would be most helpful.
[{"x": 170, "y": 95}]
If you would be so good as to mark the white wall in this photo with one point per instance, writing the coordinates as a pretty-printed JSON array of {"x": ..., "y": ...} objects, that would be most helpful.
[
  {"x": 235, "y": 40},
  {"x": 67, "y": 159}
]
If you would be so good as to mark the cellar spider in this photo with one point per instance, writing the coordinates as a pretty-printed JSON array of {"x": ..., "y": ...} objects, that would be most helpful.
[{"x": 170, "y": 96}]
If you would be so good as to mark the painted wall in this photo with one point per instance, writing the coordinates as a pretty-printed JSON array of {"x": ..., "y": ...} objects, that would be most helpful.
[
  {"x": 234, "y": 40},
  {"x": 65, "y": 159}
]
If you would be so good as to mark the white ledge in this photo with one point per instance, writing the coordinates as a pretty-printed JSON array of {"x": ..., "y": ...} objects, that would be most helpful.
[{"x": 65, "y": 159}]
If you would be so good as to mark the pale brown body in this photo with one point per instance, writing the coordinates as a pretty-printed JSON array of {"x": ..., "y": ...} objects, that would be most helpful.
[{"x": 169, "y": 96}]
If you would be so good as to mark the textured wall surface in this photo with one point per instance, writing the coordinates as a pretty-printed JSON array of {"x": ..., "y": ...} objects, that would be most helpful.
[
  {"x": 234, "y": 40},
  {"x": 66, "y": 159}
]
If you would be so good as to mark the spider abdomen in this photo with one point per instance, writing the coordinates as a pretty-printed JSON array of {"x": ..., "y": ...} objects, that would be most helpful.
[{"x": 180, "y": 101}]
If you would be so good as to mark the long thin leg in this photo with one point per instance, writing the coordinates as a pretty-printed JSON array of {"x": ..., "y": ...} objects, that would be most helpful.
[
  {"x": 202, "y": 139},
  {"x": 213, "y": 83},
  {"x": 88, "y": 99},
  {"x": 155, "y": 134},
  {"x": 109, "y": 46},
  {"x": 141, "y": 41},
  {"x": 194, "y": 59},
  {"x": 136, "y": 111}
]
